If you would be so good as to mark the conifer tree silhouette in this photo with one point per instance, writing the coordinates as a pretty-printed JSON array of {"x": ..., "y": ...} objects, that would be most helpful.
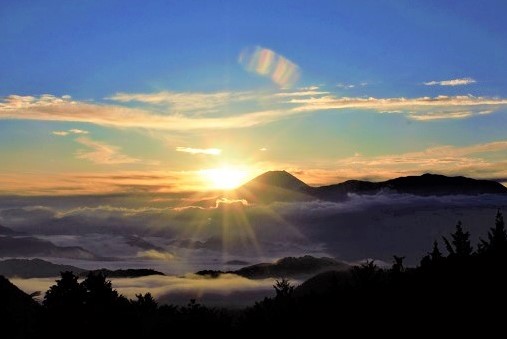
[
  {"x": 435, "y": 254},
  {"x": 283, "y": 288},
  {"x": 497, "y": 237},
  {"x": 460, "y": 245},
  {"x": 67, "y": 293},
  {"x": 398, "y": 264}
]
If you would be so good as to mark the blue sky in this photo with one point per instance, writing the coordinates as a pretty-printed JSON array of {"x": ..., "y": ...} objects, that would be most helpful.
[{"x": 371, "y": 89}]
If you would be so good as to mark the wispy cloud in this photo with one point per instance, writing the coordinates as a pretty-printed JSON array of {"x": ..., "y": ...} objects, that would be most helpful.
[
  {"x": 198, "y": 102},
  {"x": 443, "y": 115},
  {"x": 349, "y": 86},
  {"x": 73, "y": 131},
  {"x": 446, "y": 154},
  {"x": 303, "y": 92},
  {"x": 78, "y": 131},
  {"x": 155, "y": 255},
  {"x": 52, "y": 108},
  {"x": 208, "y": 151},
  {"x": 452, "y": 82},
  {"x": 345, "y": 86},
  {"x": 102, "y": 153},
  {"x": 421, "y": 108},
  {"x": 149, "y": 180}
]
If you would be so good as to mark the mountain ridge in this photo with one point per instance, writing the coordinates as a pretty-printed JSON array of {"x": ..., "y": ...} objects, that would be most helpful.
[
  {"x": 283, "y": 186},
  {"x": 39, "y": 268},
  {"x": 288, "y": 267}
]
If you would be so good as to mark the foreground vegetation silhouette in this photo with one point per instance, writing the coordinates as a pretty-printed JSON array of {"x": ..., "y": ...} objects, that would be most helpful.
[{"x": 462, "y": 291}]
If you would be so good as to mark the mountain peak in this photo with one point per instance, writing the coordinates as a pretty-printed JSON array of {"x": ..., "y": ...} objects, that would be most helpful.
[
  {"x": 281, "y": 179},
  {"x": 275, "y": 186}
]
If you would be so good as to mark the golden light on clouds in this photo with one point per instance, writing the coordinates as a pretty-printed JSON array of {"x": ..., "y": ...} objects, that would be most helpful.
[{"x": 208, "y": 151}]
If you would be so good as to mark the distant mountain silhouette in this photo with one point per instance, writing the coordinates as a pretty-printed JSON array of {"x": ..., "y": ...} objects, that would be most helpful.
[
  {"x": 274, "y": 186},
  {"x": 136, "y": 241},
  {"x": 434, "y": 184},
  {"x": 8, "y": 231},
  {"x": 34, "y": 268},
  {"x": 127, "y": 273},
  {"x": 283, "y": 186},
  {"x": 289, "y": 267},
  {"x": 293, "y": 267},
  {"x": 28, "y": 246},
  {"x": 38, "y": 268},
  {"x": 237, "y": 262},
  {"x": 425, "y": 185},
  {"x": 281, "y": 179}
]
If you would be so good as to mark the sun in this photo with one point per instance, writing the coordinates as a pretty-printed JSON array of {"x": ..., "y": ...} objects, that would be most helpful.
[{"x": 224, "y": 178}]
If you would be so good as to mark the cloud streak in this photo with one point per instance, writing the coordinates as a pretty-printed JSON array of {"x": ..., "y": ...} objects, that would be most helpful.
[
  {"x": 452, "y": 82},
  {"x": 102, "y": 153},
  {"x": 52, "y": 108},
  {"x": 303, "y": 92},
  {"x": 184, "y": 102},
  {"x": 70, "y": 131},
  {"x": 153, "y": 254},
  {"x": 154, "y": 181},
  {"x": 207, "y": 151},
  {"x": 78, "y": 131},
  {"x": 420, "y": 109}
]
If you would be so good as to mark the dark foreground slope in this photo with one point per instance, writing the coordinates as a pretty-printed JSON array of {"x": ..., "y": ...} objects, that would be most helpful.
[
  {"x": 461, "y": 292},
  {"x": 20, "y": 315}
]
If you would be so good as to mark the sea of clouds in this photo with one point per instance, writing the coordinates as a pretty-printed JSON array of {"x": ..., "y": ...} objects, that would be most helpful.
[{"x": 177, "y": 239}]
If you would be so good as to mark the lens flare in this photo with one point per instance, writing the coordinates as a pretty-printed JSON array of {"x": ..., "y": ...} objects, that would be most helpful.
[{"x": 268, "y": 63}]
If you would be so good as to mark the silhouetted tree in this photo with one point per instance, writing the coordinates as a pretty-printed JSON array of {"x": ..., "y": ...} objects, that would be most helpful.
[
  {"x": 397, "y": 264},
  {"x": 460, "y": 245},
  {"x": 66, "y": 294},
  {"x": 99, "y": 290},
  {"x": 145, "y": 303},
  {"x": 367, "y": 274},
  {"x": 435, "y": 254},
  {"x": 433, "y": 257},
  {"x": 283, "y": 288},
  {"x": 497, "y": 237}
]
